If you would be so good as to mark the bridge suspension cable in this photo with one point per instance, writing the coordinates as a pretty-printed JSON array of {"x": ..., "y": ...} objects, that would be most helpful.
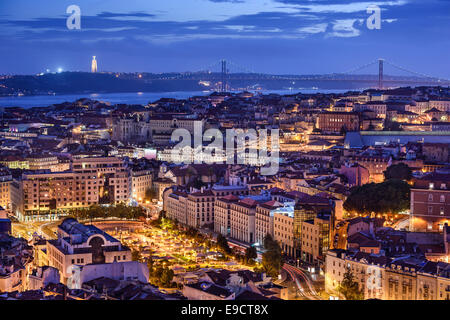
[
  {"x": 414, "y": 72},
  {"x": 215, "y": 67},
  {"x": 361, "y": 67},
  {"x": 242, "y": 68}
]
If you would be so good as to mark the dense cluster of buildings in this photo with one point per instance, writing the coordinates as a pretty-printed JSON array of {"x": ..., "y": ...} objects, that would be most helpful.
[
  {"x": 76, "y": 155},
  {"x": 393, "y": 265}
]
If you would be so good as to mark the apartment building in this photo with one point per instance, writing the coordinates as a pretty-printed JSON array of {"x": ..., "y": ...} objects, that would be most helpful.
[
  {"x": 356, "y": 174},
  {"x": 157, "y": 129},
  {"x": 46, "y": 193},
  {"x": 200, "y": 208},
  {"x": 418, "y": 107},
  {"x": 5, "y": 189},
  {"x": 264, "y": 219},
  {"x": 141, "y": 181},
  {"x": 401, "y": 281},
  {"x": 91, "y": 181},
  {"x": 436, "y": 152},
  {"x": 440, "y": 104},
  {"x": 302, "y": 213},
  {"x": 197, "y": 207},
  {"x": 15, "y": 258},
  {"x": 242, "y": 220},
  {"x": 337, "y": 121},
  {"x": 175, "y": 205},
  {"x": 379, "y": 108},
  {"x": 222, "y": 214},
  {"x": 381, "y": 277},
  {"x": 283, "y": 229},
  {"x": 114, "y": 177},
  {"x": 430, "y": 202},
  {"x": 315, "y": 239},
  {"x": 41, "y": 162},
  {"x": 376, "y": 165}
]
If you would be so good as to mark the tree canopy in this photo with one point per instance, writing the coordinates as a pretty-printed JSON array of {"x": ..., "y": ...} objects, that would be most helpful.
[
  {"x": 391, "y": 196},
  {"x": 120, "y": 210},
  {"x": 272, "y": 258},
  {"x": 222, "y": 243},
  {"x": 349, "y": 288},
  {"x": 399, "y": 171}
]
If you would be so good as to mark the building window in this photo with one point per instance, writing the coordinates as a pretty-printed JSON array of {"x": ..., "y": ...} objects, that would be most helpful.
[
  {"x": 442, "y": 198},
  {"x": 430, "y": 197}
]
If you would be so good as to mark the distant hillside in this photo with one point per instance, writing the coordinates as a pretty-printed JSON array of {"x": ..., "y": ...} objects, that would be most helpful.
[
  {"x": 83, "y": 82},
  {"x": 79, "y": 82}
]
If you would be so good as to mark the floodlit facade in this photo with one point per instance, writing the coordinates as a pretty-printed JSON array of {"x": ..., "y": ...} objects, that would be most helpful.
[{"x": 79, "y": 244}]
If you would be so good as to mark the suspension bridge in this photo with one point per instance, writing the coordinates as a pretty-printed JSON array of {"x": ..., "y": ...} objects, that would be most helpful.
[{"x": 226, "y": 72}]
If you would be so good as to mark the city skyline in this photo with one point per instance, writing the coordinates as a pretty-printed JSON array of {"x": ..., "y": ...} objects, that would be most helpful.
[
  {"x": 243, "y": 151},
  {"x": 294, "y": 37}
]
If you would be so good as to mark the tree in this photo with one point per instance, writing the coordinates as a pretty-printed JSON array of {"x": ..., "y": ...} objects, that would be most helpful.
[
  {"x": 167, "y": 277},
  {"x": 267, "y": 241},
  {"x": 150, "y": 265},
  {"x": 272, "y": 258},
  {"x": 350, "y": 288},
  {"x": 198, "y": 183},
  {"x": 392, "y": 126},
  {"x": 399, "y": 171},
  {"x": 222, "y": 243},
  {"x": 135, "y": 255},
  {"x": 391, "y": 196},
  {"x": 250, "y": 255}
]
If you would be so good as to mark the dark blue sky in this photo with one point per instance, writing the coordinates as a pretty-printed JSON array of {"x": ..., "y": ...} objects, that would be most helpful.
[{"x": 274, "y": 36}]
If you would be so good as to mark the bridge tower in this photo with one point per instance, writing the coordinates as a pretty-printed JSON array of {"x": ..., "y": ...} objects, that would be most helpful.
[
  {"x": 380, "y": 73},
  {"x": 224, "y": 76}
]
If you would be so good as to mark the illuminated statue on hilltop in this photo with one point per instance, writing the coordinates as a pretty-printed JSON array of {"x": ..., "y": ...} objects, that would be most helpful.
[{"x": 94, "y": 65}]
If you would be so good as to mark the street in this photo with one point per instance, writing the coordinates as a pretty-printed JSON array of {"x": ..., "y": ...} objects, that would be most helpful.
[{"x": 304, "y": 284}]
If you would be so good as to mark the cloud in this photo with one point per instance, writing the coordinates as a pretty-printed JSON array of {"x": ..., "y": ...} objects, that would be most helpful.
[
  {"x": 288, "y": 19},
  {"x": 317, "y": 28},
  {"x": 345, "y": 28},
  {"x": 106, "y": 14}
]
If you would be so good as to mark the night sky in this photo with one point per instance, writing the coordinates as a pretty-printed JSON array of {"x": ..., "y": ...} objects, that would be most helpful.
[{"x": 273, "y": 36}]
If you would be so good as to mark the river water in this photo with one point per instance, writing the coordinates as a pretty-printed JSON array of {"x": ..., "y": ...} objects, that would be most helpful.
[{"x": 125, "y": 98}]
